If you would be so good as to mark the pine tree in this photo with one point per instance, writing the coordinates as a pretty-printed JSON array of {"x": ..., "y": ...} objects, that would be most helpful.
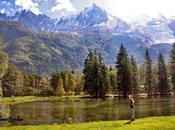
[
  {"x": 103, "y": 78},
  {"x": 95, "y": 76},
  {"x": 141, "y": 75},
  {"x": 54, "y": 80},
  {"x": 123, "y": 72},
  {"x": 148, "y": 73},
  {"x": 95, "y": 86},
  {"x": 162, "y": 76},
  {"x": 154, "y": 79},
  {"x": 104, "y": 86},
  {"x": 134, "y": 76},
  {"x": 87, "y": 71},
  {"x": 172, "y": 66}
]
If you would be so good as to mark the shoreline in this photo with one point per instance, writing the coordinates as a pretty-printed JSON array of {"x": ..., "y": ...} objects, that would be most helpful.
[{"x": 23, "y": 99}]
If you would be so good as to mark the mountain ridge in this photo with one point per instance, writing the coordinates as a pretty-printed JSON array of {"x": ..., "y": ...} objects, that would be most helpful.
[
  {"x": 33, "y": 40},
  {"x": 159, "y": 29}
]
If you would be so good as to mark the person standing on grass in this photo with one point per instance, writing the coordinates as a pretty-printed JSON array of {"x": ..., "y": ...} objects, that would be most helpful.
[{"x": 131, "y": 103}]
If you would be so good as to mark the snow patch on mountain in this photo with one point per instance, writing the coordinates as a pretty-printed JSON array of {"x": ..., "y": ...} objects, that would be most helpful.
[{"x": 155, "y": 28}]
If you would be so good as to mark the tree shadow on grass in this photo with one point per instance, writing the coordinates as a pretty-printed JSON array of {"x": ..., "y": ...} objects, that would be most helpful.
[{"x": 128, "y": 122}]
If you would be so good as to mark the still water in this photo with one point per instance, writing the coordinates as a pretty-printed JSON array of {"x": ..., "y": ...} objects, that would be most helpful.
[{"x": 85, "y": 110}]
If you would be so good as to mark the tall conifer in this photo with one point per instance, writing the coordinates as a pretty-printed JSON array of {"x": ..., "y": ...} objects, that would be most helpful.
[
  {"x": 162, "y": 76},
  {"x": 123, "y": 72},
  {"x": 172, "y": 66},
  {"x": 148, "y": 73},
  {"x": 134, "y": 76}
]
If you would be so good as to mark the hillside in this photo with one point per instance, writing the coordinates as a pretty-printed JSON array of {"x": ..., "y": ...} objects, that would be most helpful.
[{"x": 47, "y": 52}]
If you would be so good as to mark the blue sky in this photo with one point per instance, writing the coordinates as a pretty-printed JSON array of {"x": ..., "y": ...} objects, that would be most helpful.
[{"x": 121, "y": 8}]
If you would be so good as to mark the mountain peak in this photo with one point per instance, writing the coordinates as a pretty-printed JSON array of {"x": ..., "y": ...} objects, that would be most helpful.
[
  {"x": 89, "y": 17},
  {"x": 24, "y": 13},
  {"x": 94, "y": 7}
]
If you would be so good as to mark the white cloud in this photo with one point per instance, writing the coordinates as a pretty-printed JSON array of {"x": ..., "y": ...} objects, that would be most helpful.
[
  {"x": 28, "y": 5},
  {"x": 133, "y": 8},
  {"x": 63, "y": 5}
]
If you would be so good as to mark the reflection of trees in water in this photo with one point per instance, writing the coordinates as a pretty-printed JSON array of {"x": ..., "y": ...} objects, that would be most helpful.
[
  {"x": 29, "y": 113},
  {"x": 158, "y": 106},
  {"x": 47, "y": 112},
  {"x": 109, "y": 109},
  {"x": 4, "y": 114},
  {"x": 72, "y": 111},
  {"x": 172, "y": 106}
]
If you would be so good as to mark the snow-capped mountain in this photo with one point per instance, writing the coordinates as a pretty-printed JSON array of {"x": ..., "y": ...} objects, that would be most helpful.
[
  {"x": 33, "y": 21},
  {"x": 171, "y": 25},
  {"x": 93, "y": 16},
  {"x": 90, "y": 17},
  {"x": 157, "y": 29},
  {"x": 87, "y": 18},
  {"x": 64, "y": 42}
]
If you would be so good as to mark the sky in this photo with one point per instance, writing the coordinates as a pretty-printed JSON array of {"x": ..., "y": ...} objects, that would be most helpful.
[{"x": 126, "y": 9}]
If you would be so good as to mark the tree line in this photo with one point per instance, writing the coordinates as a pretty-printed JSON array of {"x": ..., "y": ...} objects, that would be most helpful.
[
  {"x": 19, "y": 83},
  {"x": 127, "y": 77},
  {"x": 14, "y": 82},
  {"x": 96, "y": 79}
]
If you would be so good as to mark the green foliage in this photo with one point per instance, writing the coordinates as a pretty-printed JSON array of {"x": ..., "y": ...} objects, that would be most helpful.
[
  {"x": 96, "y": 80},
  {"x": 60, "y": 87},
  {"x": 60, "y": 50},
  {"x": 3, "y": 68},
  {"x": 18, "y": 83},
  {"x": 162, "y": 76},
  {"x": 80, "y": 83},
  {"x": 104, "y": 81},
  {"x": 64, "y": 76},
  {"x": 148, "y": 73},
  {"x": 172, "y": 66},
  {"x": 112, "y": 79},
  {"x": 141, "y": 75},
  {"x": 155, "y": 80},
  {"x": 3, "y": 65},
  {"x": 54, "y": 80},
  {"x": 123, "y": 72},
  {"x": 30, "y": 50},
  {"x": 134, "y": 76},
  {"x": 12, "y": 82},
  {"x": 71, "y": 82}
]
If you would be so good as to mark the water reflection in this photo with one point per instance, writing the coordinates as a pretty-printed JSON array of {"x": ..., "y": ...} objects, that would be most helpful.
[{"x": 49, "y": 112}]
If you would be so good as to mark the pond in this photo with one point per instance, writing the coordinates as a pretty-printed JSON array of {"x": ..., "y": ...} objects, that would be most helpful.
[{"x": 85, "y": 110}]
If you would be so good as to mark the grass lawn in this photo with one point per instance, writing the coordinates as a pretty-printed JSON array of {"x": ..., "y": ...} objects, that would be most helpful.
[{"x": 150, "y": 123}]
